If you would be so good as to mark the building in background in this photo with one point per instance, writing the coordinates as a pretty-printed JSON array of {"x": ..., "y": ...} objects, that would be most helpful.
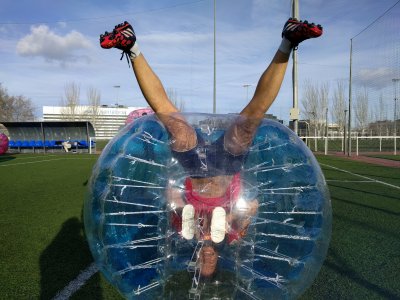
[{"x": 106, "y": 120}]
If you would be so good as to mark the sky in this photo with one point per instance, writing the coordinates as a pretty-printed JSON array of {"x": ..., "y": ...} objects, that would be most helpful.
[{"x": 46, "y": 45}]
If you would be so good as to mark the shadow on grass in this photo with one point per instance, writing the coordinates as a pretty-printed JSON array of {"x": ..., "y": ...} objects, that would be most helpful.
[
  {"x": 362, "y": 190},
  {"x": 368, "y": 207},
  {"x": 341, "y": 267},
  {"x": 378, "y": 175},
  {"x": 6, "y": 157},
  {"x": 64, "y": 259}
]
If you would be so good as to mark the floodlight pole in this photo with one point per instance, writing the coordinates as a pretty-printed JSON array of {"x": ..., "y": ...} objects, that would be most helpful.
[
  {"x": 295, "y": 14},
  {"x": 215, "y": 60},
  {"x": 117, "y": 87},
  {"x": 349, "y": 122},
  {"x": 326, "y": 131},
  {"x": 344, "y": 132},
  {"x": 247, "y": 85},
  {"x": 395, "y": 80}
]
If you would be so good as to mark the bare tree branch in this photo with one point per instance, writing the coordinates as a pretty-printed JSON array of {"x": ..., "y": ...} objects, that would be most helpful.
[
  {"x": 173, "y": 96},
  {"x": 93, "y": 96},
  {"x": 15, "y": 108},
  {"x": 361, "y": 109},
  {"x": 339, "y": 105},
  {"x": 70, "y": 102}
]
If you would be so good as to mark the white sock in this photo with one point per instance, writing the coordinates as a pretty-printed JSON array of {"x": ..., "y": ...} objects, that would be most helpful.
[
  {"x": 286, "y": 46},
  {"x": 135, "y": 51}
]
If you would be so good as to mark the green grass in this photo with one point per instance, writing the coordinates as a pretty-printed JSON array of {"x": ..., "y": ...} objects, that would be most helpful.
[
  {"x": 42, "y": 243},
  {"x": 43, "y": 246},
  {"x": 363, "y": 255},
  {"x": 100, "y": 144}
]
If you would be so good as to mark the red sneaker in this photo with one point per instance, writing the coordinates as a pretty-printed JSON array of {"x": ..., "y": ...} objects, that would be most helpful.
[
  {"x": 122, "y": 37},
  {"x": 297, "y": 31}
]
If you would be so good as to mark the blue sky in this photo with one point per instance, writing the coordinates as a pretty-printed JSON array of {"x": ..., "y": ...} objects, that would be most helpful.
[{"x": 48, "y": 44}]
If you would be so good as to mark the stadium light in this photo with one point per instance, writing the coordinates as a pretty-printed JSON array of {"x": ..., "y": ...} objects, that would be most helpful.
[
  {"x": 247, "y": 85},
  {"x": 395, "y": 81},
  {"x": 295, "y": 14},
  {"x": 344, "y": 132},
  {"x": 215, "y": 60},
  {"x": 117, "y": 87}
]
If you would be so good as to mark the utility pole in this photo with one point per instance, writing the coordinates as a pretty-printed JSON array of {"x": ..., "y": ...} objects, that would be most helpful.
[
  {"x": 344, "y": 133},
  {"x": 326, "y": 131},
  {"x": 247, "y": 85},
  {"x": 117, "y": 87},
  {"x": 294, "y": 114},
  {"x": 349, "y": 123},
  {"x": 395, "y": 81},
  {"x": 215, "y": 60}
]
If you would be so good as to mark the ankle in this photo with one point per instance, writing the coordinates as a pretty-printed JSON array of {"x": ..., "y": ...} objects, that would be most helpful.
[
  {"x": 285, "y": 46},
  {"x": 135, "y": 51}
]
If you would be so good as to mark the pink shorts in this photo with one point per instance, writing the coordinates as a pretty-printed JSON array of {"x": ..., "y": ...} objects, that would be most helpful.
[{"x": 204, "y": 204}]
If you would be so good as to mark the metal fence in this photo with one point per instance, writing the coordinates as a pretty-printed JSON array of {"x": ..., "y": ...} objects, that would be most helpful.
[{"x": 375, "y": 84}]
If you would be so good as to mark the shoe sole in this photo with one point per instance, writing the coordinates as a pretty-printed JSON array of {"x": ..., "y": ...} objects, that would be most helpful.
[
  {"x": 218, "y": 224},
  {"x": 126, "y": 30},
  {"x": 188, "y": 222},
  {"x": 313, "y": 32}
]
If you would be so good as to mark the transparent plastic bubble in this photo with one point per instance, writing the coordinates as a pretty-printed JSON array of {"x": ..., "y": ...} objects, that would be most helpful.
[
  {"x": 3, "y": 143},
  {"x": 278, "y": 213}
]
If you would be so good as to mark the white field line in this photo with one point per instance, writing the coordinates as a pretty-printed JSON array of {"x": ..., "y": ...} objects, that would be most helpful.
[
  {"x": 364, "y": 177},
  {"x": 85, "y": 275},
  {"x": 44, "y": 160},
  {"x": 77, "y": 283}
]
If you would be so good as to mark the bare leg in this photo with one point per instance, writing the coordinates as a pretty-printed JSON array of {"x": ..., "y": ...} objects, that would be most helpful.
[
  {"x": 240, "y": 134},
  {"x": 151, "y": 87},
  {"x": 183, "y": 135},
  {"x": 268, "y": 87}
]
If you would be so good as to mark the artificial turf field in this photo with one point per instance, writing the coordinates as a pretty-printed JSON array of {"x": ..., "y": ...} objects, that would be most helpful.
[{"x": 43, "y": 247}]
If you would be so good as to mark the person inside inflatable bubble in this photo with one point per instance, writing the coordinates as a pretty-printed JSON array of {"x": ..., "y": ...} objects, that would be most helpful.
[
  {"x": 210, "y": 209},
  {"x": 3, "y": 143}
]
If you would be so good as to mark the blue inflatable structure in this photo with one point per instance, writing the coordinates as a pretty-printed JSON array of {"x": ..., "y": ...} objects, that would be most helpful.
[{"x": 137, "y": 248}]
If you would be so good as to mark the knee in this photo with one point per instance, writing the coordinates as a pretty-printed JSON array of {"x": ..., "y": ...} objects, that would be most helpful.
[
  {"x": 183, "y": 135},
  {"x": 239, "y": 137}
]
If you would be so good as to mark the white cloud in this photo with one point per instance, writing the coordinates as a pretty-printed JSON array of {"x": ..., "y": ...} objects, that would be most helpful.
[
  {"x": 376, "y": 78},
  {"x": 42, "y": 42}
]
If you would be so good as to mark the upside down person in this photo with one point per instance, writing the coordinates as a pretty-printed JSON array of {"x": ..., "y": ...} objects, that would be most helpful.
[{"x": 213, "y": 187}]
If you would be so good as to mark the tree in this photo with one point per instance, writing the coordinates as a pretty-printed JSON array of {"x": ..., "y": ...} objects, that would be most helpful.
[
  {"x": 173, "y": 96},
  {"x": 93, "y": 96},
  {"x": 382, "y": 111},
  {"x": 71, "y": 109},
  {"x": 339, "y": 105},
  {"x": 315, "y": 102},
  {"x": 15, "y": 108},
  {"x": 323, "y": 92},
  {"x": 361, "y": 109}
]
